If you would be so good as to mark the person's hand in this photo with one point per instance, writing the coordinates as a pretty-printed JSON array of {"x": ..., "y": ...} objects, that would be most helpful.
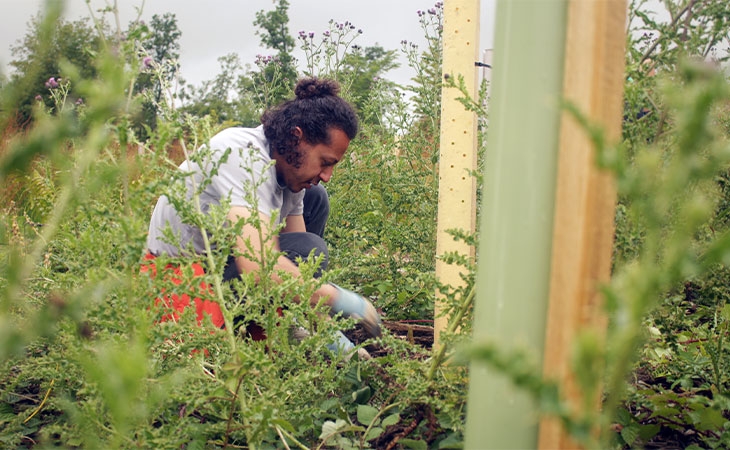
[
  {"x": 353, "y": 305},
  {"x": 341, "y": 346},
  {"x": 344, "y": 347}
]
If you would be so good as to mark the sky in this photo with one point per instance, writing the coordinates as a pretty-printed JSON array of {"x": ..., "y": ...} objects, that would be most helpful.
[{"x": 214, "y": 28}]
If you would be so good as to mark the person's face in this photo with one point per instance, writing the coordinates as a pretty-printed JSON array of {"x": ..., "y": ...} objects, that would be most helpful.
[{"x": 317, "y": 163}]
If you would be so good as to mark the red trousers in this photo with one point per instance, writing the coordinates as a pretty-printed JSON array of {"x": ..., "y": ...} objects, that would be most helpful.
[
  {"x": 201, "y": 293},
  {"x": 174, "y": 303}
]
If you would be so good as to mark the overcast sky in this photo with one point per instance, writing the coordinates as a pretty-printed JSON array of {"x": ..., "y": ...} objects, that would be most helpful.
[{"x": 213, "y": 28}]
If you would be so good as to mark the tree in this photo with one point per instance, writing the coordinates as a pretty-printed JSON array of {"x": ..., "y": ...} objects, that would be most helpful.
[
  {"x": 428, "y": 64},
  {"x": 162, "y": 45},
  {"x": 39, "y": 56},
  {"x": 362, "y": 69},
  {"x": 224, "y": 97},
  {"x": 240, "y": 97},
  {"x": 279, "y": 72},
  {"x": 160, "y": 52}
]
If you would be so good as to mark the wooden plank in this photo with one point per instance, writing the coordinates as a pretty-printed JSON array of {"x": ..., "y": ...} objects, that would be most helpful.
[
  {"x": 458, "y": 142},
  {"x": 585, "y": 197}
]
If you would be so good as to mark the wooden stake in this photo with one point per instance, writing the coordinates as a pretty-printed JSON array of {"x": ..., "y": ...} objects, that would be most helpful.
[
  {"x": 585, "y": 197},
  {"x": 458, "y": 155}
]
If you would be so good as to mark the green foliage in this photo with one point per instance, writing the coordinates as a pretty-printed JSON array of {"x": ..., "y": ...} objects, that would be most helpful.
[
  {"x": 364, "y": 69},
  {"x": 274, "y": 33},
  {"x": 388, "y": 252},
  {"x": 86, "y": 359},
  {"x": 227, "y": 98},
  {"x": 427, "y": 87},
  {"x": 670, "y": 194},
  {"x": 676, "y": 140},
  {"x": 387, "y": 240},
  {"x": 50, "y": 45},
  {"x": 159, "y": 51}
]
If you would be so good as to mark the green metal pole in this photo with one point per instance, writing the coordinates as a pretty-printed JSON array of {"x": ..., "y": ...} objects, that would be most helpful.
[{"x": 517, "y": 215}]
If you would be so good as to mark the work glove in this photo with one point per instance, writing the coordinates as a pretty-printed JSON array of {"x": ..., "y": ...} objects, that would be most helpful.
[
  {"x": 352, "y": 305},
  {"x": 341, "y": 346},
  {"x": 344, "y": 346}
]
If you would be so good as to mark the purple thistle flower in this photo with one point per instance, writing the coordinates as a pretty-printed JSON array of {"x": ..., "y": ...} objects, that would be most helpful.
[
  {"x": 52, "y": 83},
  {"x": 147, "y": 62},
  {"x": 311, "y": 35},
  {"x": 79, "y": 101},
  {"x": 38, "y": 98},
  {"x": 432, "y": 11},
  {"x": 327, "y": 33}
]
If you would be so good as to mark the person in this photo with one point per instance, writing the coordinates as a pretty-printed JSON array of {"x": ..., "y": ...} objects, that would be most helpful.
[{"x": 304, "y": 137}]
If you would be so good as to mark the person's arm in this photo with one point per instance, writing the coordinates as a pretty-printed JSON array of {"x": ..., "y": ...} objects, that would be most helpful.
[
  {"x": 294, "y": 224},
  {"x": 258, "y": 240},
  {"x": 339, "y": 300}
]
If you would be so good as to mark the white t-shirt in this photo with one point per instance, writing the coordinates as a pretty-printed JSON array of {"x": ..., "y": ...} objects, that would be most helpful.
[{"x": 248, "y": 164}]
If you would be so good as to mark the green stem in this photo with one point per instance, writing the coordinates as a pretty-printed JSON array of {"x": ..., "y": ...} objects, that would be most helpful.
[
  {"x": 292, "y": 438},
  {"x": 217, "y": 281},
  {"x": 372, "y": 422},
  {"x": 718, "y": 355},
  {"x": 440, "y": 355}
]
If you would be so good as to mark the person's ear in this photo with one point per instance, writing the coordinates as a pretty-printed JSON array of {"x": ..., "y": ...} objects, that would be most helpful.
[{"x": 297, "y": 133}]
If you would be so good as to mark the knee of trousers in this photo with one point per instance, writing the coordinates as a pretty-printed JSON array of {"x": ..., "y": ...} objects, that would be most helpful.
[
  {"x": 301, "y": 245},
  {"x": 294, "y": 246}
]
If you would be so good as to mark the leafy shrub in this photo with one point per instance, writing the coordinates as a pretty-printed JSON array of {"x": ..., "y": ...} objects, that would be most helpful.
[{"x": 86, "y": 360}]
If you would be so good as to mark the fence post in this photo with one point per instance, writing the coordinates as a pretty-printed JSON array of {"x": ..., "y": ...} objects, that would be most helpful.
[
  {"x": 458, "y": 142},
  {"x": 585, "y": 196}
]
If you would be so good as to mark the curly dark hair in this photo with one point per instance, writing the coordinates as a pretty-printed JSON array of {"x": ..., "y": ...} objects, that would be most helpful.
[{"x": 316, "y": 109}]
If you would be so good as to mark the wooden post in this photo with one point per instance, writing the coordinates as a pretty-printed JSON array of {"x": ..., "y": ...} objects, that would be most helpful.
[
  {"x": 458, "y": 141},
  {"x": 585, "y": 197}
]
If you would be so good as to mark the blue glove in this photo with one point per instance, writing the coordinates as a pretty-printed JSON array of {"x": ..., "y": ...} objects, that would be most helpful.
[
  {"x": 345, "y": 347},
  {"x": 352, "y": 305}
]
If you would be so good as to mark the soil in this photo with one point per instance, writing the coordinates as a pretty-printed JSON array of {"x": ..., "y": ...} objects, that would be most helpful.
[
  {"x": 422, "y": 335},
  {"x": 413, "y": 332}
]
